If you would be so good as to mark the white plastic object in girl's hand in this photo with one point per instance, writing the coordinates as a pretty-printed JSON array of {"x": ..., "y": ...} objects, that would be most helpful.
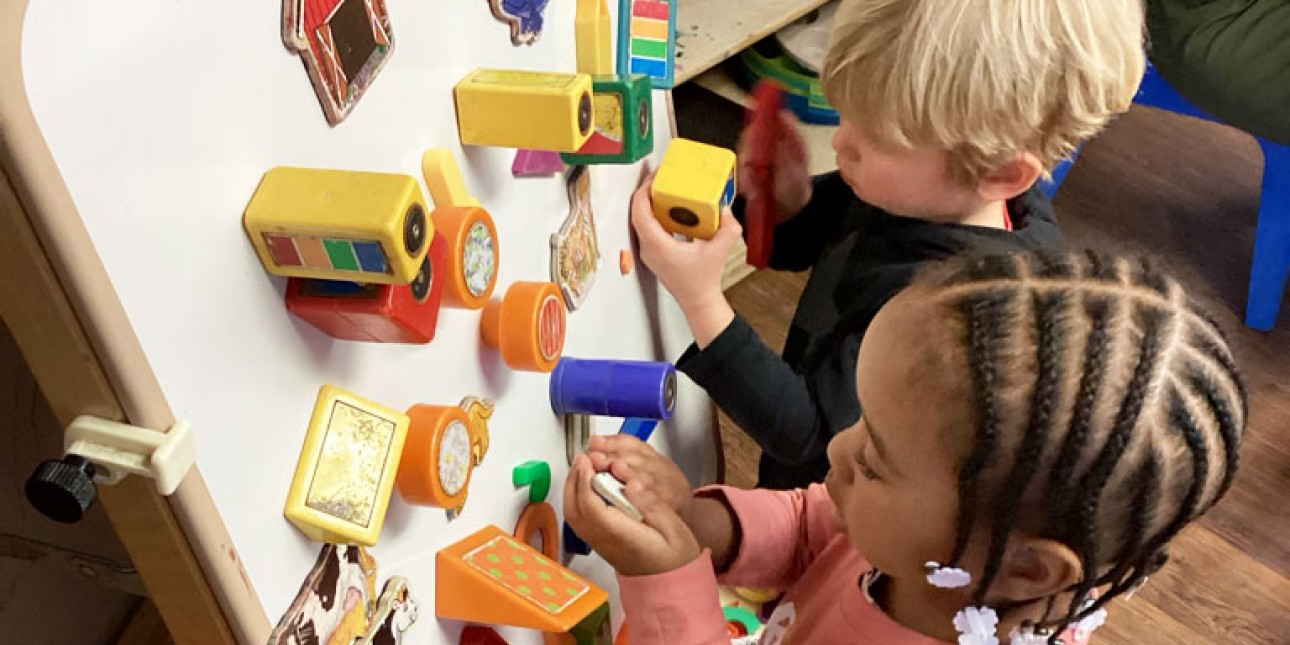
[{"x": 613, "y": 491}]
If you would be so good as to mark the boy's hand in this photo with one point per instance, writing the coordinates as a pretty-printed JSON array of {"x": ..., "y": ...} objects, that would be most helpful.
[
  {"x": 791, "y": 162},
  {"x": 636, "y": 463},
  {"x": 660, "y": 543},
  {"x": 690, "y": 270}
]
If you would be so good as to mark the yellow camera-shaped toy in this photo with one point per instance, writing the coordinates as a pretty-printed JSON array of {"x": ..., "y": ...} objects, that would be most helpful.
[
  {"x": 339, "y": 225},
  {"x": 521, "y": 109},
  {"x": 694, "y": 182}
]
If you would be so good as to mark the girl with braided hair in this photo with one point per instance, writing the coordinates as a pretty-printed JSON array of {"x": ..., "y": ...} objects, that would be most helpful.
[{"x": 1037, "y": 427}]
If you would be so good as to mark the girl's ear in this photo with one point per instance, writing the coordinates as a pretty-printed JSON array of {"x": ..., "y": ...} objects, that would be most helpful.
[
  {"x": 1011, "y": 179},
  {"x": 1036, "y": 568}
]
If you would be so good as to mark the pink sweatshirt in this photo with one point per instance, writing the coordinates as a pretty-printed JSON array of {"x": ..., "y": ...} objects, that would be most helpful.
[{"x": 790, "y": 543}]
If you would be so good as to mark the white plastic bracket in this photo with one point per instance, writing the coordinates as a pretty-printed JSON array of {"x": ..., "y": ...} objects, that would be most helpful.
[{"x": 117, "y": 449}]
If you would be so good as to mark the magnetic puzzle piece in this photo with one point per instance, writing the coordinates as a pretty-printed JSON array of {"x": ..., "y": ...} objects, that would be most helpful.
[
  {"x": 394, "y": 613},
  {"x": 647, "y": 40},
  {"x": 443, "y": 447},
  {"x": 695, "y": 181},
  {"x": 381, "y": 313},
  {"x": 339, "y": 225},
  {"x": 524, "y": 18},
  {"x": 346, "y": 470},
  {"x": 592, "y": 32},
  {"x": 478, "y": 412},
  {"x": 623, "y": 131},
  {"x": 524, "y": 109},
  {"x": 765, "y": 130},
  {"x": 537, "y": 163},
  {"x": 343, "y": 44},
  {"x": 493, "y": 578},
  {"x": 610, "y": 388},
  {"x": 537, "y": 476},
  {"x": 527, "y": 326},
  {"x": 331, "y": 606},
  {"x": 538, "y": 519},
  {"x": 575, "y": 247}
]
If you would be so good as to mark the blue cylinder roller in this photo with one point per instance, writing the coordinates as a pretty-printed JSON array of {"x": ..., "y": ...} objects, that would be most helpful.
[{"x": 641, "y": 389}]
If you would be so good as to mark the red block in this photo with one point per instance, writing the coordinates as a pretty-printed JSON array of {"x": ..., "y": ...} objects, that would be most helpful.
[{"x": 380, "y": 313}]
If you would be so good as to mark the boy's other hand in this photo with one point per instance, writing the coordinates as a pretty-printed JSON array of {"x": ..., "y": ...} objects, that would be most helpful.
[
  {"x": 658, "y": 544},
  {"x": 690, "y": 270},
  {"x": 791, "y": 162},
  {"x": 635, "y": 462}
]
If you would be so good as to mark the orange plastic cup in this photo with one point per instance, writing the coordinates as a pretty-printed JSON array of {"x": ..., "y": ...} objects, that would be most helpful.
[
  {"x": 527, "y": 326},
  {"x": 472, "y": 255},
  {"x": 429, "y": 472}
]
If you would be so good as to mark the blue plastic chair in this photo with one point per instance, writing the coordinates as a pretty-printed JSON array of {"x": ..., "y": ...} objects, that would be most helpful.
[{"x": 1271, "y": 264}]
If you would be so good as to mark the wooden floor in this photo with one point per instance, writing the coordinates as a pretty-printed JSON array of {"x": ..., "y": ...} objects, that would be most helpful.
[{"x": 1187, "y": 192}]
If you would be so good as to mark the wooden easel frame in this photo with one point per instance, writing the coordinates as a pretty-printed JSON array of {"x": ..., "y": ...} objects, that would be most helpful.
[{"x": 59, "y": 304}]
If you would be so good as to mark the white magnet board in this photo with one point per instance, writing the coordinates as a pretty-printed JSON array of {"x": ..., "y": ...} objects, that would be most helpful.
[{"x": 162, "y": 117}]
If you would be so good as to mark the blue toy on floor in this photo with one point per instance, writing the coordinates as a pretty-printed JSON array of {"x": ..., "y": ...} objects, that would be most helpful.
[{"x": 1271, "y": 265}]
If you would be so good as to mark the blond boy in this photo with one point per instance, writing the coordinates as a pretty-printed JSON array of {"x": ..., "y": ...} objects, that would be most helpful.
[{"x": 951, "y": 111}]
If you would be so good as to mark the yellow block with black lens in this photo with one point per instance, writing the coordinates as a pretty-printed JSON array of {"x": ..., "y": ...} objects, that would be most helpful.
[
  {"x": 694, "y": 182},
  {"x": 624, "y": 124},
  {"x": 339, "y": 225},
  {"x": 523, "y": 109}
]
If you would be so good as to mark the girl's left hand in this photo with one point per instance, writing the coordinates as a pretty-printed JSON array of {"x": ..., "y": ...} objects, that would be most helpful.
[{"x": 660, "y": 543}]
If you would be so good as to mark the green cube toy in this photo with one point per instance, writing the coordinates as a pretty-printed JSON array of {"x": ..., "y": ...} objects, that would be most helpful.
[{"x": 624, "y": 122}]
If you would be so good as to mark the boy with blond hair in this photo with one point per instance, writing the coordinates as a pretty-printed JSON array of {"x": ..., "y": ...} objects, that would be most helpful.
[{"x": 951, "y": 110}]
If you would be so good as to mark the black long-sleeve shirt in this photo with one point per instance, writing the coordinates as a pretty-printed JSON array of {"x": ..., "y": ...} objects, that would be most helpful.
[{"x": 860, "y": 257}]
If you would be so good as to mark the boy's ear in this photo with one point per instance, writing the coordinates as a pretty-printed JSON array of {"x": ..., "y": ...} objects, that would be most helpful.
[
  {"x": 1036, "y": 568},
  {"x": 1011, "y": 179}
]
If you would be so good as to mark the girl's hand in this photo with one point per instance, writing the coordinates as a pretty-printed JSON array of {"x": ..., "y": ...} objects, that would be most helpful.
[
  {"x": 660, "y": 543},
  {"x": 791, "y": 163},
  {"x": 635, "y": 462}
]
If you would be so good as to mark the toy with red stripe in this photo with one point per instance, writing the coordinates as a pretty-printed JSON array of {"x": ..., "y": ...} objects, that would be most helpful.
[{"x": 647, "y": 40}]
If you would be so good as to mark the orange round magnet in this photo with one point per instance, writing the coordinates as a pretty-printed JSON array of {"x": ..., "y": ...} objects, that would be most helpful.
[
  {"x": 438, "y": 458},
  {"x": 540, "y": 518},
  {"x": 472, "y": 255},
  {"x": 527, "y": 326}
]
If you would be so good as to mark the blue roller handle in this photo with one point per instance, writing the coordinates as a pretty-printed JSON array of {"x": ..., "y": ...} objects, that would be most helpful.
[
  {"x": 624, "y": 389},
  {"x": 639, "y": 428}
]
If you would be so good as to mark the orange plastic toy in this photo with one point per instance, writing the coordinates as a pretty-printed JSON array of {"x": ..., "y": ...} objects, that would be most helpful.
[
  {"x": 443, "y": 446},
  {"x": 493, "y": 578},
  {"x": 540, "y": 518},
  {"x": 527, "y": 326},
  {"x": 472, "y": 255}
]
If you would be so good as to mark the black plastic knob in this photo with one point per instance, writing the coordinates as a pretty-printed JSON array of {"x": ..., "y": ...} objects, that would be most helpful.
[{"x": 62, "y": 489}]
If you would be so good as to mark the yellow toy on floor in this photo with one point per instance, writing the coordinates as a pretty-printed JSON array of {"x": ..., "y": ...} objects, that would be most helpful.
[
  {"x": 694, "y": 183},
  {"x": 523, "y": 109}
]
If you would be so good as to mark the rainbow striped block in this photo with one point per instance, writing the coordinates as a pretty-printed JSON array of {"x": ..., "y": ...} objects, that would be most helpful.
[{"x": 647, "y": 40}]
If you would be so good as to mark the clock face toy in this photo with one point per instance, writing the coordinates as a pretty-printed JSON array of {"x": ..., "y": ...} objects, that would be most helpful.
[{"x": 444, "y": 445}]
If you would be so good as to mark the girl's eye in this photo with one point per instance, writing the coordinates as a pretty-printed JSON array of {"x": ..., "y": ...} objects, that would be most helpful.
[{"x": 865, "y": 469}]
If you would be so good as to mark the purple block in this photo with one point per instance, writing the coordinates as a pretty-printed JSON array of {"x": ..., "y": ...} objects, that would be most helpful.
[{"x": 537, "y": 163}]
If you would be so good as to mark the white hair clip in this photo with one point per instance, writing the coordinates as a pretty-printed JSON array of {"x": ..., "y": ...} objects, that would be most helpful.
[
  {"x": 977, "y": 626},
  {"x": 1028, "y": 635},
  {"x": 947, "y": 577}
]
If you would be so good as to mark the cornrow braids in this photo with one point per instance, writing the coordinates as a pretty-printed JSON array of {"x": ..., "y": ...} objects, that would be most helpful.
[{"x": 1108, "y": 407}]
